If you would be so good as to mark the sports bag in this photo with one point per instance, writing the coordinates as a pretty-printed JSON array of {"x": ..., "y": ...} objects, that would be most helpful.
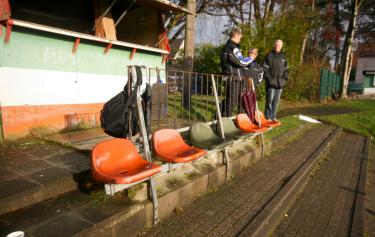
[{"x": 119, "y": 115}]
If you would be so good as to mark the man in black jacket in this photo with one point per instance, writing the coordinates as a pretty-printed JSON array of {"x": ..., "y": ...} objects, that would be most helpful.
[
  {"x": 232, "y": 63},
  {"x": 275, "y": 74}
]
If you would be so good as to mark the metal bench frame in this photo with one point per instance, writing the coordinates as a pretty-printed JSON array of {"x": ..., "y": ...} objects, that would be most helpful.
[{"x": 111, "y": 189}]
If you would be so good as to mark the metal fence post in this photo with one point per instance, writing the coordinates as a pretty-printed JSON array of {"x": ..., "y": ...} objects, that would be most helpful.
[
  {"x": 322, "y": 84},
  {"x": 146, "y": 150}
]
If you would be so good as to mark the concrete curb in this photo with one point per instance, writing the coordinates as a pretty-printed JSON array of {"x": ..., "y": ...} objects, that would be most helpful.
[
  {"x": 37, "y": 194},
  {"x": 357, "y": 224},
  {"x": 269, "y": 217}
]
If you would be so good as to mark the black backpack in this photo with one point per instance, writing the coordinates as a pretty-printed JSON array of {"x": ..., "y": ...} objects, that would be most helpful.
[
  {"x": 255, "y": 71},
  {"x": 119, "y": 115}
]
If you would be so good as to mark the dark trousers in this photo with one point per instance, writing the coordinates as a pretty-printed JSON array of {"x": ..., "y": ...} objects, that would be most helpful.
[
  {"x": 232, "y": 98},
  {"x": 272, "y": 101}
]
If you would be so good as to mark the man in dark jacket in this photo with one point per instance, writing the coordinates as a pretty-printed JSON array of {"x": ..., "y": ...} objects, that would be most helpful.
[
  {"x": 275, "y": 74},
  {"x": 232, "y": 63}
]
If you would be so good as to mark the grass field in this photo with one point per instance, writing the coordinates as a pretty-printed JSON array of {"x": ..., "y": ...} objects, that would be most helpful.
[
  {"x": 203, "y": 109},
  {"x": 287, "y": 123},
  {"x": 356, "y": 115},
  {"x": 362, "y": 121}
]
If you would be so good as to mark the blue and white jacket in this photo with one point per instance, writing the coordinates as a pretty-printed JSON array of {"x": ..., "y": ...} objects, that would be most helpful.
[{"x": 232, "y": 60}]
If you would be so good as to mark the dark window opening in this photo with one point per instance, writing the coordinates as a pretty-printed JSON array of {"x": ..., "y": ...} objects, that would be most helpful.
[
  {"x": 141, "y": 24},
  {"x": 69, "y": 14}
]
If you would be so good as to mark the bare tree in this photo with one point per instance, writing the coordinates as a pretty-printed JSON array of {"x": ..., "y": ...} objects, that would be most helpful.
[
  {"x": 175, "y": 23},
  {"x": 240, "y": 12},
  {"x": 306, "y": 35},
  {"x": 338, "y": 34},
  {"x": 346, "y": 58}
]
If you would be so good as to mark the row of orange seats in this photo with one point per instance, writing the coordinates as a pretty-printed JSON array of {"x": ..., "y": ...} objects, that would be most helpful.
[{"x": 117, "y": 161}]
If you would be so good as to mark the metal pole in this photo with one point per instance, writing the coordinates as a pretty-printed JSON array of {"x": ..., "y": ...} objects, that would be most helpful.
[
  {"x": 142, "y": 124},
  {"x": 220, "y": 123},
  {"x": 124, "y": 13},
  {"x": 146, "y": 149},
  {"x": 106, "y": 12},
  {"x": 259, "y": 122},
  {"x": 219, "y": 120},
  {"x": 154, "y": 198},
  {"x": 256, "y": 103}
]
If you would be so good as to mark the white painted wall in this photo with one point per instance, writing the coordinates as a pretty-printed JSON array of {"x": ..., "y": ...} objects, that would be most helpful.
[
  {"x": 20, "y": 87},
  {"x": 364, "y": 64},
  {"x": 369, "y": 91}
]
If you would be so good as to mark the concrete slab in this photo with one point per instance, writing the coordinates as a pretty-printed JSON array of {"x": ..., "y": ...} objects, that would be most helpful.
[
  {"x": 15, "y": 186},
  {"x": 63, "y": 225},
  {"x": 11, "y": 159},
  {"x": 49, "y": 174},
  {"x": 30, "y": 166},
  {"x": 30, "y": 148},
  {"x": 6, "y": 174},
  {"x": 84, "y": 139},
  {"x": 71, "y": 160},
  {"x": 34, "y": 170}
]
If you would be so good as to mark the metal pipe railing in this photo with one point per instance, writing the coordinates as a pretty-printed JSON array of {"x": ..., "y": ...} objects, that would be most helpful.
[{"x": 169, "y": 108}]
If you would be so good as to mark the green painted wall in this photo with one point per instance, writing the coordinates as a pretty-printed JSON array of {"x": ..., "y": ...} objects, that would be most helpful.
[
  {"x": 41, "y": 50},
  {"x": 368, "y": 81}
]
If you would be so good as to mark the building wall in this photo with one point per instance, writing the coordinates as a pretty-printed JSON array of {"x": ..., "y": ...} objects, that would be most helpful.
[
  {"x": 44, "y": 85},
  {"x": 364, "y": 64},
  {"x": 369, "y": 90}
]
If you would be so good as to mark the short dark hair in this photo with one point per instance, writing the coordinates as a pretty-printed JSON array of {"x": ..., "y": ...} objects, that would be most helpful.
[{"x": 235, "y": 31}]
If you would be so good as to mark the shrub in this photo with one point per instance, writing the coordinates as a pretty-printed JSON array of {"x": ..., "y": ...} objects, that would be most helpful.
[{"x": 303, "y": 83}]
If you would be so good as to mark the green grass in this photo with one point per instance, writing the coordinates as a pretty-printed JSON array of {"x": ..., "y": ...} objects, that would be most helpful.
[
  {"x": 287, "y": 123},
  {"x": 360, "y": 119},
  {"x": 362, "y": 122},
  {"x": 202, "y": 107},
  {"x": 357, "y": 104}
]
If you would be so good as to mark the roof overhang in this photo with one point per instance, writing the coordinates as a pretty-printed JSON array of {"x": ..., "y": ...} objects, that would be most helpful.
[
  {"x": 54, "y": 30},
  {"x": 164, "y": 5}
]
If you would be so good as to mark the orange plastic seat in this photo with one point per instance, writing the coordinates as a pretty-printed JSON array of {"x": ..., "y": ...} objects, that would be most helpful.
[
  {"x": 266, "y": 122},
  {"x": 244, "y": 123},
  {"x": 169, "y": 146},
  {"x": 117, "y": 161}
]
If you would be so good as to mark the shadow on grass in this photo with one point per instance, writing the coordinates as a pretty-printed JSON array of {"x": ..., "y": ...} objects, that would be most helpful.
[{"x": 319, "y": 110}]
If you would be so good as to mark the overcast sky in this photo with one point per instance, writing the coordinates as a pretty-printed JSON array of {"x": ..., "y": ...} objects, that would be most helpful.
[{"x": 209, "y": 29}]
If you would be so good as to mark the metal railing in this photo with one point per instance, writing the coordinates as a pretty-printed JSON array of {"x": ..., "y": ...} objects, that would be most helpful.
[{"x": 180, "y": 98}]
